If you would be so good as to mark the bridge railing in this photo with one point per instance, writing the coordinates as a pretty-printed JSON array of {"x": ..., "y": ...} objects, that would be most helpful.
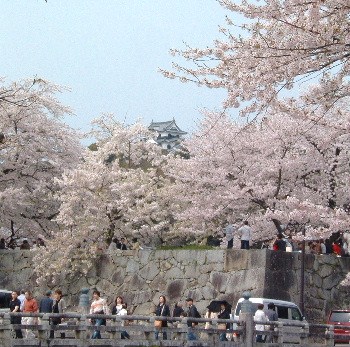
[{"x": 77, "y": 329}]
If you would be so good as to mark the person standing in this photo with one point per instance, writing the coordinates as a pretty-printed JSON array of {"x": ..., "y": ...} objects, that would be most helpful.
[
  {"x": 260, "y": 317},
  {"x": 58, "y": 306},
  {"x": 191, "y": 312},
  {"x": 30, "y": 306},
  {"x": 21, "y": 298},
  {"x": 98, "y": 306},
  {"x": 162, "y": 310},
  {"x": 245, "y": 233},
  {"x": 118, "y": 305},
  {"x": 15, "y": 306},
  {"x": 272, "y": 316},
  {"x": 123, "y": 312},
  {"x": 279, "y": 244},
  {"x": 229, "y": 235},
  {"x": 178, "y": 310},
  {"x": 25, "y": 244},
  {"x": 323, "y": 247},
  {"x": 224, "y": 314},
  {"x": 45, "y": 305},
  {"x": 122, "y": 245}
]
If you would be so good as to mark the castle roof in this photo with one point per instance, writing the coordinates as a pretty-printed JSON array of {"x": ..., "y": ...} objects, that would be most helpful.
[{"x": 169, "y": 126}]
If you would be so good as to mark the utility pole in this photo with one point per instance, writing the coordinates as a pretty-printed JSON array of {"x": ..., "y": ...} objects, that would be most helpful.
[{"x": 302, "y": 274}]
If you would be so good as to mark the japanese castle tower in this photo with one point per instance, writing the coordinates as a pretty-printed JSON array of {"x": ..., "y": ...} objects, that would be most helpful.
[{"x": 170, "y": 135}]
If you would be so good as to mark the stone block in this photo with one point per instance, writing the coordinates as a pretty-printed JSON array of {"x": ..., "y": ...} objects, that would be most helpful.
[
  {"x": 144, "y": 256},
  {"x": 236, "y": 260},
  {"x": 214, "y": 256},
  {"x": 219, "y": 281},
  {"x": 256, "y": 258},
  {"x": 317, "y": 280},
  {"x": 326, "y": 270},
  {"x": 332, "y": 281},
  {"x": 174, "y": 289},
  {"x": 209, "y": 292},
  {"x": 208, "y": 268},
  {"x": 330, "y": 259},
  {"x": 344, "y": 263},
  {"x": 175, "y": 273},
  {"x": 132, "y": 266},
  {"x": 150, "y": 271}
]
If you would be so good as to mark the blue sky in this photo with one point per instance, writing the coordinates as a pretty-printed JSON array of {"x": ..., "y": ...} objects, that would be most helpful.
[{"x": 108, "y": 53}]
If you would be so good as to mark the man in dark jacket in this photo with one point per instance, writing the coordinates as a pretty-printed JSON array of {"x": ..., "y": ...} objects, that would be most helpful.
[
  {"x": 224, "y": 314},
  {"x": 272, "y": 317},
  {"x": 15, "y": 305},
  {"x": 46, "y": 303},
  {"x": 191, "y": 312}
]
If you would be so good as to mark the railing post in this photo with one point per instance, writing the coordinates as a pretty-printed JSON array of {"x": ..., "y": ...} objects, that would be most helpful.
[
  {"x": 280, "y": 333},
  {"x": 5, "y": 331},
  {"x": 330, "y": 336},
  {"x": 149, "y": 333},
  {"x": 304, "y": 337},
  {"x": 113, "y": 332},
  {"x": 246, "y": 317},
  {"x": 44, "y": 330},
  {"x": 80, "y": 333},
  {"x": 186, "y": 329}
]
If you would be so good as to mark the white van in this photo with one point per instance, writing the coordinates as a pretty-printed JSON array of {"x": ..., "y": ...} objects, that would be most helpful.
[
  {"x": 5, "y": 298},
  {"x": 287, "y": 311}
]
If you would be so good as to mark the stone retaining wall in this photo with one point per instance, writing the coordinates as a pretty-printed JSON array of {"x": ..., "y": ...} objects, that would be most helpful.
[{"x": 141, "y": 276}]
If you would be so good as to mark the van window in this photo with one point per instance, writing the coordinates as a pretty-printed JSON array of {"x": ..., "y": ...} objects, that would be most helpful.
[
  {"x": 296, "y": 314},
  {"x": 282, "y": 312},
  {"x": 5, "y": 299}
]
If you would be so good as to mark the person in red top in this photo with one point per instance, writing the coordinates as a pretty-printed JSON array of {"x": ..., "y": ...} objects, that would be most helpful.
[
  {"x": 336, "y": 248},
  {"x": 30, "y": 305}
]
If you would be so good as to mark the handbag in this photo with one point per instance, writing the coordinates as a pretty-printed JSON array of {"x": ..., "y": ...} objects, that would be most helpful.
[
  {"x": 158, "y": 323},
  {"x": 222, "y": 326}
]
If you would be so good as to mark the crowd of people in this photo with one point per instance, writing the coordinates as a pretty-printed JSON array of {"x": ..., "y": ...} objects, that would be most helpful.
[
  {"x": 24, "y": 301},
  {"x": 53, "y": 302},
  {"x": 338, "y": 244},
  {"x": 24, "y": 244},
  {"x": 338, "y": 247}
]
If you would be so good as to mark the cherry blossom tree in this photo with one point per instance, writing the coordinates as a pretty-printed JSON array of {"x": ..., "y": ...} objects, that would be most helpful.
[
  {"x": 35, "y": 148},
  {"x": 285, "y": 168},
  {"x": 271, "y": 46},
  {"x": 117, "y": 191}
]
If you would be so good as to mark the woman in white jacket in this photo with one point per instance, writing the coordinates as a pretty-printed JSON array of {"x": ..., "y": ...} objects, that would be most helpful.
[
  {"x": 260, "y": 317},
  {"x": 123, "y": 312}
]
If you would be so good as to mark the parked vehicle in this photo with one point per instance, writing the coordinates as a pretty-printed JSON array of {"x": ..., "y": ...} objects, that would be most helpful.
[
  {"x": 287, "y": 312},
  {"x": 341, "y": 321},
  {"x": 5, "y": 298}
]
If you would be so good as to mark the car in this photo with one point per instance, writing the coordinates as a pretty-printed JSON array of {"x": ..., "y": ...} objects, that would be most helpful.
[
  {"x": 340, "y": 318},
  {"x": 5, "y": 298},
  {"x": 287, "y": 312}
]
